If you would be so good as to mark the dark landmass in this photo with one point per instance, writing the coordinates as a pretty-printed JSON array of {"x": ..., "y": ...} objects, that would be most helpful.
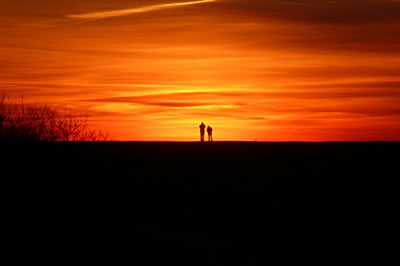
[{"x": 222, "y": 203}]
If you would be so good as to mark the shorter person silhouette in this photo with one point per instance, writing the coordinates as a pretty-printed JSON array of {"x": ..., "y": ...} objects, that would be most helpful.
[
  {"x": 209, "y": 131},
  {"x": 202, "y": 131}
]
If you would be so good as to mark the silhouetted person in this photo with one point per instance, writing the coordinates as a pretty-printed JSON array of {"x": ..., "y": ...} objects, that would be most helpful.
[
  {"x": 202, "y": 131},
  {"x": 209, "y": 131}
]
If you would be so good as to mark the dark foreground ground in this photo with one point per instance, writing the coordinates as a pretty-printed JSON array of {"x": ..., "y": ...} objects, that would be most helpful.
[{"x": 197, "y": 204}]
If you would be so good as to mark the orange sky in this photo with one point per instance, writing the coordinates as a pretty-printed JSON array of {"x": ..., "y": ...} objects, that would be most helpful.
[{"x": 270, "y": 70}]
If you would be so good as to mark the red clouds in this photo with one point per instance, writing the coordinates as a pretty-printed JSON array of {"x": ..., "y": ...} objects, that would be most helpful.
[{"x": 271, "y": 70}]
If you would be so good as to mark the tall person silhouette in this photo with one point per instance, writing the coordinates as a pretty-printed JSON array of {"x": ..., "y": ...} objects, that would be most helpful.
[
  {"x": 202, "y": 131},
  {"x": 209, "y": 131}
]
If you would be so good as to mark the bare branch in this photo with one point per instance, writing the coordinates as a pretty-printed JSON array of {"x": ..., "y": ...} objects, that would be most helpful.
[{"x": 42, "y": 123}]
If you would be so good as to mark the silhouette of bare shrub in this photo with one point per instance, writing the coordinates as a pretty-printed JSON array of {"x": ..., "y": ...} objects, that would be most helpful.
[{"x": 32, "y": 122}]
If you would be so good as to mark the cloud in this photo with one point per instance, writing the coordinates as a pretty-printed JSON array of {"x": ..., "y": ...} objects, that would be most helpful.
[
  {"x": 278, "y": 70},
  {"x": 317, "y": 11},
  {"x": 190, "y": 99},
  {"x": 130, "y": 11}
]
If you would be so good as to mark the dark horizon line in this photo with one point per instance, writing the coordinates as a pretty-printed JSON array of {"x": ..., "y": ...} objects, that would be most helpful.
[
  {"x": 206, "y": 142},
  {"x": 242, "y": 141}
]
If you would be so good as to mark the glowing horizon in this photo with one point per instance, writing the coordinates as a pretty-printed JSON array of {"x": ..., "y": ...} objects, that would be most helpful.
[{"x": 261, "y": 70}]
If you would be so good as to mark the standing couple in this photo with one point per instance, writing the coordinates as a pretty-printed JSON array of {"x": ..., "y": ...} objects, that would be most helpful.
[{"x": 202, "y": 132}]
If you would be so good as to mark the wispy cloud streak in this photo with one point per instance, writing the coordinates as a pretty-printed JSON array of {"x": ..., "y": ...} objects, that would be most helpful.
[{"x": 130, "y": 11}]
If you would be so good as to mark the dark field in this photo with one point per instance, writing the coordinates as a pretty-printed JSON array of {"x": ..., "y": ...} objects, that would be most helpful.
[{"x": 196, "y": 204}]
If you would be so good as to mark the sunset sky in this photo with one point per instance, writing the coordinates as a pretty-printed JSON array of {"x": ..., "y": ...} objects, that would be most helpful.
[{"x": 266, "y": 70}]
